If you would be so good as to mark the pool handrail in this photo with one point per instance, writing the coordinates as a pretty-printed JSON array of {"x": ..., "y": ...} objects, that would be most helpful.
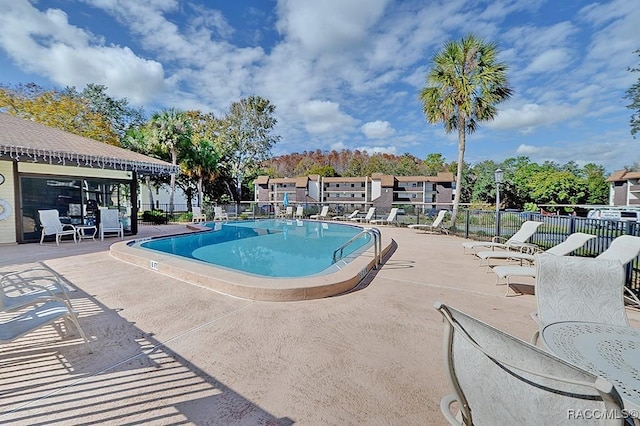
[{"x": 377, "y": 244}]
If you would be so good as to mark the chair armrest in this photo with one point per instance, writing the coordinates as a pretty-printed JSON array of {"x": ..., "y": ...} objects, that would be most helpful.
[
  {"x": 68, "y": 225},
  {"x": 499, "y": 239},
  {"x": 445, "y": 407}
]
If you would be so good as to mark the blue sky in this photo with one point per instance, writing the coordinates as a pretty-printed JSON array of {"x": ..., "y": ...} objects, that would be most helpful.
[{"x": 345, "y": 74}]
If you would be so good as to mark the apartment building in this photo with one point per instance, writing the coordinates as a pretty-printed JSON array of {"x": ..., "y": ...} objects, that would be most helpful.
[
  {"x": 378, "y": 190},
  {"x": 624, "y": 188}
]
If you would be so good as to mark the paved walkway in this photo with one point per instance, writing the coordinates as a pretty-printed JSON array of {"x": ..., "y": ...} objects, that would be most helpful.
[{"x": 168, "y": 352}]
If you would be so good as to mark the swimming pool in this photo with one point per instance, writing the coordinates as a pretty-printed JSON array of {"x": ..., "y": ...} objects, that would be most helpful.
[
  {"x": 271, "y": 260},
  {"x": 271, "y": 248}
]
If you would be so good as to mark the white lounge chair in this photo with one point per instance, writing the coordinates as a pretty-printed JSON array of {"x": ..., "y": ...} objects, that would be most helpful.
[
  {"x": 219, "y": 214},
  {"x": 624, "y": 249},
  {"x": 367, "y": 218},
  {"x": 198, "y": 216},
  {"x": 578, "y": 289},
  {"x": 498, "y": 379},
  {"x": 569, "y": 245},
  {"x": 390, "y": 219},
  {"x": 110, "y": 223},
  {"x": 51, "y": 225},
  {"x": 322, "y": 215},
  {"x": 289, "y": 212},
  {"x": 299, "y": 212},
  {"x": 431, "y": 227},
  {"x": 29, "y": 286},
  {"x": 348, "y": 217},
  {"x": 50, "y": 310},
  {"x": 516, "y": 241}
]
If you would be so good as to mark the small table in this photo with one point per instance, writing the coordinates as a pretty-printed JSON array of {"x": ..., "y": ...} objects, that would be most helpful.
[
  {"x": 84, "y": 232},
  {"x": 609, "y": 351}
]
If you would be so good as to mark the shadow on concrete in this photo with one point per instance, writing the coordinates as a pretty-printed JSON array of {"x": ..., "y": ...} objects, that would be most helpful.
[{"x": 130, "y": 378}]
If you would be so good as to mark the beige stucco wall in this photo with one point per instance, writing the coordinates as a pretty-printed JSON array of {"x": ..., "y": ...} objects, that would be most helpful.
[{"x": 7, "y": 226}]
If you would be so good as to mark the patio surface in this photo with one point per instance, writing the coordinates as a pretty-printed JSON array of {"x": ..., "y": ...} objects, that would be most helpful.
[{"x": 168, "y": 352}]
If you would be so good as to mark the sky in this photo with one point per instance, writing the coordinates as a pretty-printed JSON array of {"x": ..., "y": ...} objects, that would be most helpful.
[{"x": 346, "y": 74}]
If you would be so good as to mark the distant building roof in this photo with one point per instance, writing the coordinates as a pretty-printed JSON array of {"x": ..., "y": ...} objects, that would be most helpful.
[
  {"x": 25, "y": 140},
  {"x": 443, "y": 177},
  {"x": 622, "y": 175},
  {"x": 262, "y": 180}
]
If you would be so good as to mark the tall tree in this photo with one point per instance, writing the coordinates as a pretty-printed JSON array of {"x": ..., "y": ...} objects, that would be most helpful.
[
  {"x": 434, "y": 163},
  {"x": 246, "y": 138},
  {"x": 633, "y": 94},
  {"x": 463, "y": 88},
  {"x": 169, "y": 130}
]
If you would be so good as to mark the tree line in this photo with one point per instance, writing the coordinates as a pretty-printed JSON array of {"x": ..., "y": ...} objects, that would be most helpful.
[{"x": 219, "y": 156}]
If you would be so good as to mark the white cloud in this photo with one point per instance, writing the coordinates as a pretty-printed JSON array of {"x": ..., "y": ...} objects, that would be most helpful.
[
  {"x": 549, "y": 61},
  {"x": 328, "y": 25},
  {"x": 533, "y": 115},
  {"x": 323, "y": 117},
  {"x": 377, "y": 129},
  {"x": 45, "y": 43},
  {"x": 377, "y": 149}
]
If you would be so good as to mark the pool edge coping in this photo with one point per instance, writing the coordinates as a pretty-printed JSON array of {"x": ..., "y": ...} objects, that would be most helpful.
[{"x": 248, "y": 286}]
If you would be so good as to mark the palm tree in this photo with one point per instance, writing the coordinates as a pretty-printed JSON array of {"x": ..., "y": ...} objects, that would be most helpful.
[
  {"x": 462, "y": 89},
  {"x": 170, "y": 129}
]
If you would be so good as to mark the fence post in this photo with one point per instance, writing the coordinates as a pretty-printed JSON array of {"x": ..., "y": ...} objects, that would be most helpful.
[
  {"x": 572, "y": 224},
  {"x": 466, "y": 223}
]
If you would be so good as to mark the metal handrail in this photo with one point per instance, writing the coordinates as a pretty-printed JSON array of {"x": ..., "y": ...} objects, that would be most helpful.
[{"x": 377, "y": 244}]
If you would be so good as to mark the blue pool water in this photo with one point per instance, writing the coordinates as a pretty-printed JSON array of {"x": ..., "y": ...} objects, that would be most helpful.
[{"x": 272, "y": 248}]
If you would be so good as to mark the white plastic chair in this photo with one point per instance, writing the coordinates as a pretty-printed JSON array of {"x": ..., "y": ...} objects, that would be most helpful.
[
  {"x": 198, "y": 216},
  {"x": 322, "y": 215},
  {"x": 367, "y": 218},
  {"x": 572, "y": 243},
  {"x": 498, "y": 379},
  {"x": 28, "y": 320},
  {"x": 51, "y": 225},
  {"x": 110, "y": 223},
  {"x": 29, "y": 286},
  {"x": 624, "y": 249},
  {"x": 390, "y": 219},
  {"x": 436, "y": 225},
  {"x": 516, "y": 241},
  {"x": 299, "y": 212},
  {"x": 347, "y": 217},
  {"x": 219, "y": 214},
  {"x": 578, "y": 289}
]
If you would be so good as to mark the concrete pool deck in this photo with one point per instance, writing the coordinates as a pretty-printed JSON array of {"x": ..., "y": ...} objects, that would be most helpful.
[{"x": 168, "y": 352}]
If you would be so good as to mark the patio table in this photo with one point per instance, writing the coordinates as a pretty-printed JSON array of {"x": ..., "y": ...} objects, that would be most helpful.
[{"x": 609, "y": 351}]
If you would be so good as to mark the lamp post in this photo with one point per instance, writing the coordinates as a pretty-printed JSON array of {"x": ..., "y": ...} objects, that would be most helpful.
[{"x": 498, "y": 175}]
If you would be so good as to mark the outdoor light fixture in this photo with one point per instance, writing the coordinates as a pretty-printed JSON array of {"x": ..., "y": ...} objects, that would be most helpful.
[{"x": 498, "y": 176}]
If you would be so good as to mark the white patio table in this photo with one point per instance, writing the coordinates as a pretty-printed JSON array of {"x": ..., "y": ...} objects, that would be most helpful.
[{"x": 609, "y": 351}]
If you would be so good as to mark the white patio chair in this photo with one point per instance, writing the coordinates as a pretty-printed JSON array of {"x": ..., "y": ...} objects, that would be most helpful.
[
  {"x": 389, "y": 220},
  {"x": 578, "y": 289},
  {"x": 436, "y": 225},
  {"x": 347, "y": 217},
  {"x": 219, "y": 214},
  {"x": 322, "y": 215},
  {"x": 516, "y": 241},
  {"x": 299, "y": 212},
  {"x": 367, "y": 218},
  {"x": 110, "y": 223},
  {"x": 289, "y": 212},
  {"x": 198, "y": 216},
  {"x": 29, "y": 286},
  {"x": 570, "y": 244},
  {"x": 624, "y": 248},
  {"x": 498, "y": 379},
  {"x": 51, "y": 225},
  {"x": 28, "y": 320}
]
